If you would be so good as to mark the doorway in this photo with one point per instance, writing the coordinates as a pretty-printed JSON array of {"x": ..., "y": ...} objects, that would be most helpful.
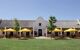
[{"x": 39, "y": 32}]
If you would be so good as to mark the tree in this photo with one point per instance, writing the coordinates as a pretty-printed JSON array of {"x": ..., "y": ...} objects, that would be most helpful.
[
  {"x": 51, "y": 22},
  {"x": 16, "y": 27}
]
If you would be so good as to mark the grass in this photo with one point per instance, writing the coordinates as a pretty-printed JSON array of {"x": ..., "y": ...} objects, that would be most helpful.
[{"x": 33, "y": 44}]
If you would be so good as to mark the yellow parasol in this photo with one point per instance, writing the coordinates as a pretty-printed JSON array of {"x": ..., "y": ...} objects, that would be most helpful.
[
  {"x": 9, "y": 30},
  {"x": 78, "y": 30},
  {"x": 0, "y": 30},
  {"x": 25, "y": 30},
  {"x": 70, "y": 30},
  {"x": 57, "y": 30}
]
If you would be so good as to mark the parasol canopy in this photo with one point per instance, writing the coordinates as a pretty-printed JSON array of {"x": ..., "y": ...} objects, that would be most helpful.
[{"x": 25, "y": 30}]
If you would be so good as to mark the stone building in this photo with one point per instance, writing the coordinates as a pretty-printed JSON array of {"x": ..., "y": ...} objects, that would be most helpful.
[{"x": 39, "y": 26}]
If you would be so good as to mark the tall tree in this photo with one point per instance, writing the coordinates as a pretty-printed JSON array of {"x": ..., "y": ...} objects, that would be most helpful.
[
  {"x": 51, "y": 22},
  {"x": 16, "y": 25}
]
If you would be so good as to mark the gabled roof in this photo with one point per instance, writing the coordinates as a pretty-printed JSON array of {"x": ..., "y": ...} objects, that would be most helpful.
[
  {"x": 67, "y": 24},
  {"x": 29, "y": 23},
  {"x": 10, "y": 23}
]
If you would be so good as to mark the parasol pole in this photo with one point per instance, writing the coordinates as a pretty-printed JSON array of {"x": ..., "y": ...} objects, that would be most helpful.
[
  {"x": 20, "y": 32},
  {"x": 5, "y": 32}
]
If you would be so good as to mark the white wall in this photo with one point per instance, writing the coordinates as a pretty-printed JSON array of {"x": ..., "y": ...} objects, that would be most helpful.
[{"x": 43, "y": 24}]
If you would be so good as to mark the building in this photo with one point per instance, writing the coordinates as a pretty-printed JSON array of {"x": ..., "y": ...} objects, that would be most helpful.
[{"x": 39, "y": 26}]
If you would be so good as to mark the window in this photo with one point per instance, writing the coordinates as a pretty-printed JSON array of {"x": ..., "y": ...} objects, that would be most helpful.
[{"x": 39, "y": 24}]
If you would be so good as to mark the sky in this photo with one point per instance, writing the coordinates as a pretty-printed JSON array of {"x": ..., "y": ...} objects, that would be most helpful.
[{"x": 31, "y": 9}]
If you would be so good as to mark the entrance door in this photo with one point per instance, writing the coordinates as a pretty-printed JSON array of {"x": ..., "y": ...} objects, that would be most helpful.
[{"x": 39, "y": 32}]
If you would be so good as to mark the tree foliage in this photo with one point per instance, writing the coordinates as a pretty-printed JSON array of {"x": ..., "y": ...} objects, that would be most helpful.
[
  {"x": 51, "y": 22},
  {"x": 16, "y": 25}
]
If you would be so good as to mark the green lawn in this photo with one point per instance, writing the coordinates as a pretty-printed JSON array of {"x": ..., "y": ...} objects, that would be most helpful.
[{"x": 32, "y": 44}]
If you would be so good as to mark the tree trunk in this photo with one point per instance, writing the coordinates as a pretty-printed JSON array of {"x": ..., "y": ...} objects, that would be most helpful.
[{"x": 52, "y": 35}]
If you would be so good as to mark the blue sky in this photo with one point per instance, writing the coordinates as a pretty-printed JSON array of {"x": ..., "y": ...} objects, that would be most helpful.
[{"x": 31, "y": 9}]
